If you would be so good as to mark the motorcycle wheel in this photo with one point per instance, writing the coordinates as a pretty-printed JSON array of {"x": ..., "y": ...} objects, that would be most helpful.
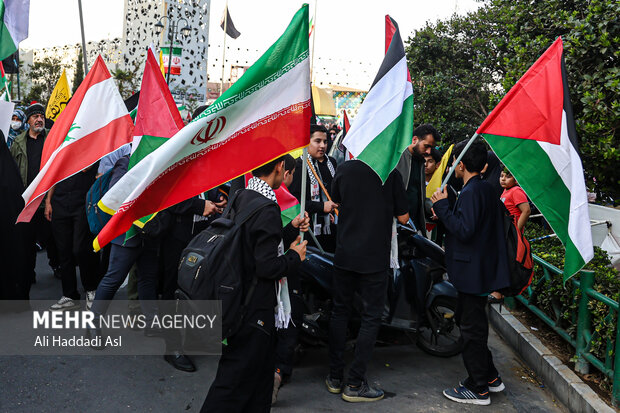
[{"x": 445, "y": 342}]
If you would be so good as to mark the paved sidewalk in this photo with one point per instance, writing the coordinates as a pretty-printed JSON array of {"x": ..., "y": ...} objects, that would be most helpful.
[{"x": 413, "y": 381}]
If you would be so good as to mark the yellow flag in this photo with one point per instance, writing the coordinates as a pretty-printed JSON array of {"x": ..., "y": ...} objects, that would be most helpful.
[
  {"x": 59, "y": 98},
  {"x": 161, "y": 64},
  {"x": 435, "y": 181}
]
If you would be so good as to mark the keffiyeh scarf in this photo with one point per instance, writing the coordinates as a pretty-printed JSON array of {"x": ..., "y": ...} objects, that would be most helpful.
[{"x": 317, "y": 195}]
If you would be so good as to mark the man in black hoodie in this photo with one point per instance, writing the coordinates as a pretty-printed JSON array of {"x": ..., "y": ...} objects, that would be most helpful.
[{"x": 244, "y": 379}]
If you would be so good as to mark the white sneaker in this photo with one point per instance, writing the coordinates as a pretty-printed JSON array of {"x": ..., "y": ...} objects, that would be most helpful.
[
  {"x": 90, "y": 297},
  {"x": 65, "y": 303}
]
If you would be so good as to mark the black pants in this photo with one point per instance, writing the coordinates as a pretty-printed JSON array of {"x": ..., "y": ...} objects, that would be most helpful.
[
  {"x": 74, "y": 242},
  {"x": 372, "y": 289},
  {"x": 171, "y": 250},
  {"x": 471, "y": 317},
  {"x": 286, "y": 339},
  {"x": 27, "y": 235},
  {"x": 244, "y": 379}
]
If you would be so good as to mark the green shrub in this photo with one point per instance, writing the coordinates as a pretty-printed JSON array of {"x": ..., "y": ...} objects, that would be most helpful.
[{"x": 561, "y": 301}]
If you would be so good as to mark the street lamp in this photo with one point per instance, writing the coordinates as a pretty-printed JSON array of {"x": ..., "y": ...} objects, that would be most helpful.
[{"x": 172, "y": 34}]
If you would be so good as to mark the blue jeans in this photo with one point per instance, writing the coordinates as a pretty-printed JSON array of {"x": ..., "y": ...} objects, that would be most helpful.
[{"x": 121, "y": 260}]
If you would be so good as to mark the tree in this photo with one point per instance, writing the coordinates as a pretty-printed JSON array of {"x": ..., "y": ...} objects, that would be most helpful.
[
  {"x": 127, "y": 81},
  {"x": 43, "y": 76},
  {"x": 464, "y": 65},
  {"x": 79, "y": 71}
]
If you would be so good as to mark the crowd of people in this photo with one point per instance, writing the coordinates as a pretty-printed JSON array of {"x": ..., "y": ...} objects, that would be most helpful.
[{"x": 349, "y": 211}]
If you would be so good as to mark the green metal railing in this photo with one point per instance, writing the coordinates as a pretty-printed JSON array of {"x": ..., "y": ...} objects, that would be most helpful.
[{"x": 583, "y": 293}]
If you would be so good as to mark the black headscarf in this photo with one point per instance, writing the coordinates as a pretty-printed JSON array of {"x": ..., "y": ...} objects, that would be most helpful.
[{"x": 494, "y": 170}]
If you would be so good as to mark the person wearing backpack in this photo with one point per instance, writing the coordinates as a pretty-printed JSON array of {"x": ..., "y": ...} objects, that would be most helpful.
[
  {"x": 244, "y": 378},
  {"x": 476, "y": 258}
]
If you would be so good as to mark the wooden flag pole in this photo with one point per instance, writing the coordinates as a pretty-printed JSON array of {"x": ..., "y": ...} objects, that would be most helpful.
[
  {"x": 320, "y": 182},
  {"x": 451, "y": 171}
]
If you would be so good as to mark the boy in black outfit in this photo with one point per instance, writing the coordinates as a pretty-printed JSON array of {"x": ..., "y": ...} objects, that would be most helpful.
[
  {"x": 244, "y": 379},
  {"x": 477, "y": 264},
  {"x": 361, "y": 262}
]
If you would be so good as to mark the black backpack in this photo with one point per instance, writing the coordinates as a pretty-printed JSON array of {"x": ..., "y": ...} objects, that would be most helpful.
[
  {"x": 211, "y": 267},
  {"x": 519, "y": 257}
]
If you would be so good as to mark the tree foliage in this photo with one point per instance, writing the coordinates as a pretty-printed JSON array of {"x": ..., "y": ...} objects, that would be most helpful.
[
  {"x": 43, "y": 76},
  {"x": 128, "y": 81},
  {"x": 79, "y": 71},
  {"x": 463, "y": 66}
]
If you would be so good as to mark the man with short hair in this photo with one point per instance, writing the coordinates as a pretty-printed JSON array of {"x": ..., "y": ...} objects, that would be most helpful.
[
  {"x": 411, "y": 167},
  {"x": 477, "y": 265},
  {"x": 244, "y": 378},
  {"x": 431, "y": 163},
  {"x": 27, "y": 150}
]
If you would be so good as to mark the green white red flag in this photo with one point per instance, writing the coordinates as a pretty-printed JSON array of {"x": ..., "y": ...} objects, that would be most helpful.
[
  {"x": 533, "y": 133},
  {"x": 263, "y": 115},
  {"x": 15, "y": 16},
  {"x": 383, "y": 127},
  {"x": 94, "y": 123}
]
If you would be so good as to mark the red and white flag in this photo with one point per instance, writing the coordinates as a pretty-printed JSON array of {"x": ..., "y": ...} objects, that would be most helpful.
[{"x": 94, "y": 123}]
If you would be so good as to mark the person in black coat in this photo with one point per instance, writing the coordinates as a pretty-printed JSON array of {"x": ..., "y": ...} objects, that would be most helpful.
[
  {"x": 319, "y": 207},
  {"x": 244, "y": 378},
  {"x": 477, "y": 264}
]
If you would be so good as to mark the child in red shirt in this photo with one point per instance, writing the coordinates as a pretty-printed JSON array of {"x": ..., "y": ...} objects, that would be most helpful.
[
  {"x": 516, "y": 203},
  {"x": 514, "y": 199}
]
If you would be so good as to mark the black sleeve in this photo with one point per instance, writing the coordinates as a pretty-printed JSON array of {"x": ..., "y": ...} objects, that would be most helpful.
[
  {"x": 266, "y": 235},
  {"x": 401, "y": 205},
  {"x": 193, "y": 206},
  {"x": 336, "y": 189},
  {"x": 463, "y": 222}
]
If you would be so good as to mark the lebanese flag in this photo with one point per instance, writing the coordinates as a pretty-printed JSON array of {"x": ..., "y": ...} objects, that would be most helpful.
[
  {"x": 532, "y": 131},
  {"x": 383, "y": 126},
  {"x": 94, "y": 123},
  {"x": 263, "y": 115}
]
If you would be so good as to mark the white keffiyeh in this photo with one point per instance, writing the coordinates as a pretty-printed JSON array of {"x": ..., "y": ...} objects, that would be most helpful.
[{"x": 316, "y": 194}]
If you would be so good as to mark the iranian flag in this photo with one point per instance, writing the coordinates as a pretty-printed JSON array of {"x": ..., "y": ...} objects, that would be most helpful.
[
  {"x": 263, "y": 115},
  {"x": 383, "y": 127},
  {"x": 94, "y": 123},
  {"x": 15, "y": 16},
  {"x": 532, "y": 131}
]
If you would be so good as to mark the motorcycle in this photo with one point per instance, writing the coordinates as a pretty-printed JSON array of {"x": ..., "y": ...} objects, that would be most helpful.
[{"x": 420, "y": 302}]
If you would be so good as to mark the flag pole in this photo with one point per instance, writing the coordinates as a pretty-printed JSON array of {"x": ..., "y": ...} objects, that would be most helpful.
[
  {"x": 84, "y": 54},
  {"x": 304, "y": 183},
  {"x": 471, "y": 140},
  {"x": 224, "y": 48},
  {"x": 313, "y": 39}
]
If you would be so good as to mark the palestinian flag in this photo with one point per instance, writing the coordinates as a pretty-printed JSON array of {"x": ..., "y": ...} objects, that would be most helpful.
[
  {"x": 15, "y": 16},
  {"x": 94, "y": 123},
  {"x": 263, "y": 115},
  {"x": 157, "y": 119},
  {"x": 383, "y": 126},
  {"x": 131, "y": 103},
  {"x": 532, "y": 131},
  {"x": 5, "y": 85},
  {"x": 289, "y": 205}
]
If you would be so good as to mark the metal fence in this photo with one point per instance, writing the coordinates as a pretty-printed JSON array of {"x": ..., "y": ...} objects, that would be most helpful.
[{"x": 583, "y": 294}]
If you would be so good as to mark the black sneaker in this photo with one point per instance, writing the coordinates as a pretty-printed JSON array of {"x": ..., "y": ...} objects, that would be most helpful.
[
  {"x": 496, "y": 385},
  {"x": 334, "y": 386},
  {"x": 463, "y": 395},
  {"x": 362, "y": 393}
]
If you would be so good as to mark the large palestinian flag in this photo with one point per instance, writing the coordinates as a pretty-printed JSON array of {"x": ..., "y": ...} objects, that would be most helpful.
[
  {"x": 263, "y": 115},
  {"x": 532, "y": 131},
  {"x": 14, "y": 25},
  {"x": 383, "y": 127}
]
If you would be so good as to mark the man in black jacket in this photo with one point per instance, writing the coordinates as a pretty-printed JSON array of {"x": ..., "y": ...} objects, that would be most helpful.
[
  {"x": 477, "y": 265},
  {"x": 244, "y": 379}
]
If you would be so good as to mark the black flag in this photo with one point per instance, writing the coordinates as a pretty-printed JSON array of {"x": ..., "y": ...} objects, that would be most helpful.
[{"x": 230, "y": 26}]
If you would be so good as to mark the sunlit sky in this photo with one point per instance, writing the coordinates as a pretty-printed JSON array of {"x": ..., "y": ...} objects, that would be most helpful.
[{"x": 346, "y": 29}]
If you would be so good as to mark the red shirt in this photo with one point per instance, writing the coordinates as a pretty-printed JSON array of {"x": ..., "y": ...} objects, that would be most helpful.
[{"x": 512, "y": 198}]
